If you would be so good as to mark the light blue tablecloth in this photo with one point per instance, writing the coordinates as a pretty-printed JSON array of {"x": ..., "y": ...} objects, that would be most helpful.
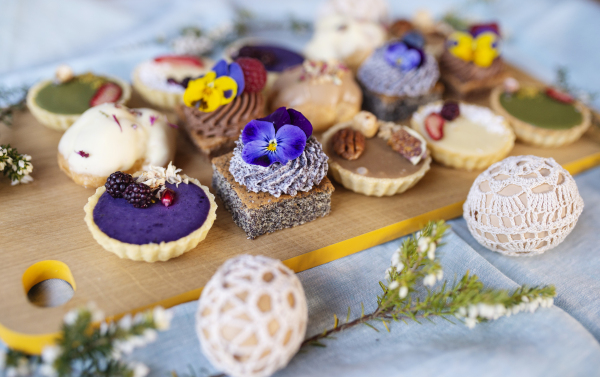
[{"x": 112, "y": 37}]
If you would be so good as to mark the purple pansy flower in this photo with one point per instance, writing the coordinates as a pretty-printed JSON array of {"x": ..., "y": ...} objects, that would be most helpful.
[
  {"x": 232, "y": 70},
  {"x": 399, "y": 54},
  {"x": 279, "y": 137}
]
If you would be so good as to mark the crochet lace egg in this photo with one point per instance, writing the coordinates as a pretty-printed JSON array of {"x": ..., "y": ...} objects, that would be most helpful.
[
  {"x": 522, "y": 205},
  {"x": 252, "y": 316}
]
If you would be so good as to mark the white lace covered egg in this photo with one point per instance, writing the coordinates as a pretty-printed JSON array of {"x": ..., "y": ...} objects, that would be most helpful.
[
  {"x": 522, "y": 205},
  {"x": 252, "y": 316}
]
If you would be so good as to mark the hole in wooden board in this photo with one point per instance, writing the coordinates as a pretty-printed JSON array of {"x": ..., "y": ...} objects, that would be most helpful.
[
  {"x": 49, "y": 284},
  {"x": 50, "y": 293}
]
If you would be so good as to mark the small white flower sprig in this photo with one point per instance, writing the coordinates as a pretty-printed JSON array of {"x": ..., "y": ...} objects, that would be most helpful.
[
  {"x": 15, "y": 166},
  {"x": 156, "y": 177},
  {"x": 86, "y": 350},
  {"x": 414, "y": 266}
]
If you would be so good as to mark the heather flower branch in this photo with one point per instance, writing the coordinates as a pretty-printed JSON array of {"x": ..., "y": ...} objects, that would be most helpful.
[
  {"x": 414, "y": 266},
  {"x": 84, "y": 349},
  {"x": 15, "y": 166}
]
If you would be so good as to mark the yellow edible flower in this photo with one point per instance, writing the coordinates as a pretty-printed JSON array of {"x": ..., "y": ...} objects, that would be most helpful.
[{"x": 208, "y": 93}]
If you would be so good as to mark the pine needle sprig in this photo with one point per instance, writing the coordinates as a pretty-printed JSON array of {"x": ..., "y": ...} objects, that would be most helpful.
[{"x": 409, "y": 294}]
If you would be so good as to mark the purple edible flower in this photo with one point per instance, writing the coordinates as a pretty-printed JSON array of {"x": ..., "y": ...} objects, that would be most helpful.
[
  {"x": 399, "y": 54},
  {"x": 172, "y": 125},
  {"x": 83, "y": 154},
  {"x": 232, "y": 70},
  {"x": 152, "y": 120},
  {"x": 279, "y": 137}
]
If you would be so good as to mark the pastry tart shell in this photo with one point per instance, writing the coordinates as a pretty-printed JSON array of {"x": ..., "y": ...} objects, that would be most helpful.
[
  {"x": 159, "y": 98},
  {"x": 150, "y": 252},
  {"x": 61, "y": 122},
  {"x": 371, "y": 186},
  {"x": 541, "y": 137},
  {"x": 466, "y": 160},
  {"x": 89, "y": 180}
]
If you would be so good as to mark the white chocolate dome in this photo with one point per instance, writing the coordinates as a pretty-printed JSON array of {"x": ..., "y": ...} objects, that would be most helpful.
[
  {"x": 522, "y": 205},
  {"x": 252, "y": 316}
]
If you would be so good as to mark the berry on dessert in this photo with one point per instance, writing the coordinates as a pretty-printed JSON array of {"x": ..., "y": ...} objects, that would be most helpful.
[
  {"x": 559, "y": 95},
  {"x": 117, "y": 183},
  {"x": 107, "y": 93},
  {"x": 450, "y": 110},
  {"x": 434, "y": 125},
  {"x": 167, "y": 197},
  {"x": 255, "y": 74},
  {"x": 180, "y": 60},
  {"x": 138, "y": 194}
]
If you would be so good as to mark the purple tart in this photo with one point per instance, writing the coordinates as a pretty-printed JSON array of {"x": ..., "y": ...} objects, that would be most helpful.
[
  {"x": 158, "y": 215},
  {"x": 274, "y": 58}
]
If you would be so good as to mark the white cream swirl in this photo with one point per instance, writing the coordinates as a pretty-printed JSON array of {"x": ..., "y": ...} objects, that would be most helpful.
[{"x": 300, "y": 174}]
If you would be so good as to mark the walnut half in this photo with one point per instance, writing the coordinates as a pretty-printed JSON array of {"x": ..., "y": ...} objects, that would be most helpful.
[{"x": 348, "y": 143}]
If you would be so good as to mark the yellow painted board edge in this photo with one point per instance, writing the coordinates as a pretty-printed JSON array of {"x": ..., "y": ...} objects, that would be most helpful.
[{"x": 33, "y": 344}]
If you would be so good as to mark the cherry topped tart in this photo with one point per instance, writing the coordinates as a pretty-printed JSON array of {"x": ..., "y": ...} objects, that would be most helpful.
[
  {"x": 375, "y": 158},
  {"x": 154, "y": 215}
]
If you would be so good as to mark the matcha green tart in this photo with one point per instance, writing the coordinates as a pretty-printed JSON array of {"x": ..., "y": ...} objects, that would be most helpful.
[
  {"x": 58, "y": 103},
  {"x": 541, "y": 116}
]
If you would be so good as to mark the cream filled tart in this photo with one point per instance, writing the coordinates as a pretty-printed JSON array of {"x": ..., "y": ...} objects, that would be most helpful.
[
  {"x": 375, "y": 158},
  {"x": 58, "y": 103},
  {"x": 463, "y": 136},
  {"x": 111, "y": 137},
  {"x": 156, "y": 216},
  {"x": 162, "y": 80},
  {"x": 540, "y": 116}
]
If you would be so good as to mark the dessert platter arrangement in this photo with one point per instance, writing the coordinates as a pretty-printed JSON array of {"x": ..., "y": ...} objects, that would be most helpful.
[{"x": 141, "y": 191}]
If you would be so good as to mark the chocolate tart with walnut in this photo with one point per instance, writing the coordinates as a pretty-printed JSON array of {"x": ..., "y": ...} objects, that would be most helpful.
[{"x": 375, "y": 158}]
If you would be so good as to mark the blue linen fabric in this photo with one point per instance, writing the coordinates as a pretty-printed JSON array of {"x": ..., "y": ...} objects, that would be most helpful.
[{"x": 112, "y": 37}]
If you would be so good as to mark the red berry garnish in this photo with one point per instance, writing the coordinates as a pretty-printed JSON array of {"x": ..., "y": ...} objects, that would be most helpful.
[
  {"x": 450, "y": 110},
  {"x": 180, "y": 60},
  {"x": 108, "y": 92},
  {"x": 434, "y": 125},
  {"x": 167, "y": 197},
  {"x": 559, "y": 95},
  {"x": 255, "y": 74}
]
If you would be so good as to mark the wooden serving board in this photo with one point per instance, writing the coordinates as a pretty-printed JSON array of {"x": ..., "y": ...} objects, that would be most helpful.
[{"x": 43, "y": 221}]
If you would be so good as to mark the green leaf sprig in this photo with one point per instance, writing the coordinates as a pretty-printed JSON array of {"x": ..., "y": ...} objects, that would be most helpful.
[{"x": 414, "y": 266}]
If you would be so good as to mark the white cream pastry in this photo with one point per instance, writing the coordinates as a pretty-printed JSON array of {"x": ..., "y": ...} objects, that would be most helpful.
[
  {"x": 363, "y": 10},
  {"x": 110, "y": 138},
  {"x": 343, "y": 38},
  {"x": 160, "y": 80},
  {"x": 476, "y": 139}
]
